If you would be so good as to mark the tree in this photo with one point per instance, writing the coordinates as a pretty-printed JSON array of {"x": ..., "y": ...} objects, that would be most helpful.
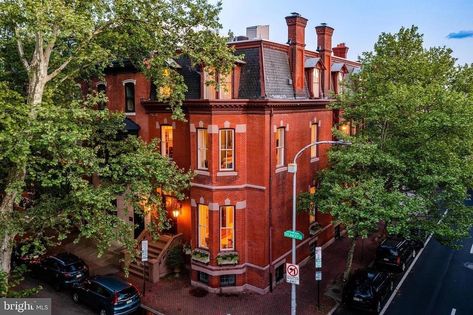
[
  {"x": 411, "y": 158},
  {"x": 53, "y": 141}
]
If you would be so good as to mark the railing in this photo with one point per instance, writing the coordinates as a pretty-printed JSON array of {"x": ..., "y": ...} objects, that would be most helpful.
[{"x": 157, "y": 266}]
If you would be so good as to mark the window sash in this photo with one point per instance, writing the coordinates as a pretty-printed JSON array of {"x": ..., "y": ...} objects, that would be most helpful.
[
  {"x": 227, "y": 228},
  {"x": 226, "y": 151},
  {"x": 202, "y": 149},
  {"x": 225, "y": 86},
  {"x": 280, "y": 146},
  {"x": 129, "y": 97},
  {"x": 209, "y": 90},
  {"x": 167, "y": 141},
  {"x": 316, "y": 83},
  {"x": 314, "y": 136},
  {"x": 203, "y": 226}
]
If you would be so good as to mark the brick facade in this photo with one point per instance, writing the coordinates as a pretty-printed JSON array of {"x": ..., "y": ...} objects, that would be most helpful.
[{"x": 271, "y": 90}]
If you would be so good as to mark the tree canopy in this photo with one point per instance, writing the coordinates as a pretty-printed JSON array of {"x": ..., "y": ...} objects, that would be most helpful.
[
  {"x": 411, "y": 158},
  {"x": 63, "y": 163}
]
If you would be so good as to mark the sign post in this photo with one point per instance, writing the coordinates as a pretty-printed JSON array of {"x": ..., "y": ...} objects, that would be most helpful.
[
  {"x": 144, "y": 259},
  {"x": 292, "y": 273},
  {"x": 318, "y": 273}
]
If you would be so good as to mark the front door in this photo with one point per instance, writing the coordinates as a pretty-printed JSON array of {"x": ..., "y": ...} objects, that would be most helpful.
[{"x": 139, "y": 222}]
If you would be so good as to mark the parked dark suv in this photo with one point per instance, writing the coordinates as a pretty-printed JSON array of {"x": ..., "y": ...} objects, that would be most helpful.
[
  {"x": 109, "y": 295},
  {"x": 394, "y": 253},
  {"x": 63, "y": 270},
  {"x": 367, "y": 289}
]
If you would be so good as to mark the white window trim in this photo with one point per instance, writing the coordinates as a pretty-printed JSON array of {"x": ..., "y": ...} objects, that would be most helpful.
[
  {"x": 129, "y": 81},
  {"x": 220, "y": 150},
  {"x": 101, "y": 83},
  {"x": 198, "y": 225},
  {"x": 220, "y": 229},
  {"x": 199, "y": 130},
  {"x": 283, "y": 147}
]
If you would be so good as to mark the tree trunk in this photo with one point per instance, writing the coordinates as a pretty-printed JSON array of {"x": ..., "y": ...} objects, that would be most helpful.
[
  {"x": 6, "y": 209},
  {"x": 349, "y": 263}
]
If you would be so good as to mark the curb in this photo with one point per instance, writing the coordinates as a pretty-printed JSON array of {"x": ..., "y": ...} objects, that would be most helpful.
[{"x": 152, "y": 310}]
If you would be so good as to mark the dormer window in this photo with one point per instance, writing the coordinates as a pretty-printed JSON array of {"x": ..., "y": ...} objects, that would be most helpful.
[
  {"x": 218, "y": 86},
  {"x": 316, "y": 83}
]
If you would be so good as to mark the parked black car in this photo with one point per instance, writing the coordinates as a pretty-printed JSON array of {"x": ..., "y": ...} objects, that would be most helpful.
[
  {"x": 394, "y": 253},
  {"x": 109, "y": 295},
  {"x": 63, "y": 270},
  {"x": 367, "y": 289}
]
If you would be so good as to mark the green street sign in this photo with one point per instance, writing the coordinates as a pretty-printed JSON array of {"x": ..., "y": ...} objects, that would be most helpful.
[{"x": 294, "y": 234}]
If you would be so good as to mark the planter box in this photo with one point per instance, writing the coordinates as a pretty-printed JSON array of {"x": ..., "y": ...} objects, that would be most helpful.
[
  {"x": 227, "y": 258},
  {"x": 201, "y": 255}
]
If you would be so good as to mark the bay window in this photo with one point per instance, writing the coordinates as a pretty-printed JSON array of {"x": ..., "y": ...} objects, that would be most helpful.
[
  {"x": 202, "y": 148},
  {"x": 227, "y": 148},
  {"x": 227, "y": 228},
  {"x": 203, "y": 228}
]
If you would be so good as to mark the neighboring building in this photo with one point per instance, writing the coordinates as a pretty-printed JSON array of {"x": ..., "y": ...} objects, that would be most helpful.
[{"x": 239, "y": 141}]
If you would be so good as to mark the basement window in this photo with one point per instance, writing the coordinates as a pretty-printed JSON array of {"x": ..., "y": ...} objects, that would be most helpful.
[
  {"x": 228, "y": 280},
  {"x": 203, "y": 277}
]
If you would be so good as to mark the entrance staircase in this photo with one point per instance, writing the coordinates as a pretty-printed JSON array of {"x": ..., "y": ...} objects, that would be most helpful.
[{"x": 155, "y": 267}]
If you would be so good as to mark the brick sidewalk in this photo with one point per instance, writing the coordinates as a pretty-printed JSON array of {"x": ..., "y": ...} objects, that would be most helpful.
[{"x": 171, "y": 296}]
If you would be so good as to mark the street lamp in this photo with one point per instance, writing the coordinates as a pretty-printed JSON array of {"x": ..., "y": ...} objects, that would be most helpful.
[{"x": 292, "y": 168}]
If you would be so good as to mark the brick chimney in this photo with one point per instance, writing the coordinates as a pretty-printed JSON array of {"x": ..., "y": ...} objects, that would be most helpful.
[
  {"x": 340, "y": 51},
  {"x": 324, "y": 47},
  {"x": 296, "y": 39}
]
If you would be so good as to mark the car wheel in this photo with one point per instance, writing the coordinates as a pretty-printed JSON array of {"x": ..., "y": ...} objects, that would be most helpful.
[
  {"x": 75, "y": 297},
  {"x": 103, "y": 312}
]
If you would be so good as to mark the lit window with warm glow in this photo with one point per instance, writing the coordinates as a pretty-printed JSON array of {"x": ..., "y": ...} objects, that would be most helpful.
[
  {"x": 209, "y": 88},
  {"x": 202, "y": 148},
  {"x": 345, "y": 128},
  {"x": 312, "y": 210},
  {"x": 314, "y": 136},
  {"x": 225, "y": 86},
  {"x": 316, "y": 83},
  {"x": 227, "y": 228},
  {"x": 280, "y": 146},
  {"x": 166, "y": 141},
  {"x": 203, "y": 226},
  {"x": 226, "y": 149}
]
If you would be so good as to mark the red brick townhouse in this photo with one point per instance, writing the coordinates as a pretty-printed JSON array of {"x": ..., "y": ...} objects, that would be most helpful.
[{"x": 239, "y": 141}]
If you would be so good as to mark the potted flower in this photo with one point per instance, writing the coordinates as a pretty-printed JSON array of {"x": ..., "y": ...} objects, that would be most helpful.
[
  {"x": 175, "y": 259},
  {"x": 201, "y": 255},
  {"x": 227, "y": 258}
]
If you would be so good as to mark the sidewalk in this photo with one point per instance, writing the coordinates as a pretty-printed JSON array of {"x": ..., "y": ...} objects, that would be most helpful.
[{"x": 172, "y": 296}]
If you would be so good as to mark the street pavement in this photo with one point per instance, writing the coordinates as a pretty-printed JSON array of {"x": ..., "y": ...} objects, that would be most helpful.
[{"x": 441, "y": 282}]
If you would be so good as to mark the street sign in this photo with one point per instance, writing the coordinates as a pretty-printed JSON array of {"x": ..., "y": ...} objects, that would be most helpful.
[
  {"x": 292, "y": 273},
  {"x": 318, "y": 275},
  {"x": 318, "y": 257},
  {"x": 294, "y": 234},
  {"x": 144, "y": 250}
]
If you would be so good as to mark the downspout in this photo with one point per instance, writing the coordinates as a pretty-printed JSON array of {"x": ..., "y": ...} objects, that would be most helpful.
[{"x": 270, "y": 238}]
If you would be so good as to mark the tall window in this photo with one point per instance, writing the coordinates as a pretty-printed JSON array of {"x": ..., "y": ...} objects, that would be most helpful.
[
  {"x": 102, "y": 89},
  {"x": 129, "y": 97},
  {"x": 314, "y": 136},
  {"x": 227, "y": 158},
  {"x": 312, "y": 210},
  {"x": 209, "y": 90},
  {"x": 166, "y": 141},
  {"x": 225, "y": 85},
  {"x": 202, "y": 148},
  {"x": 340, "y": 82},
  {"x": 316, "y": 83},
  {"x": 227, "y": 228},
  {"x": 203, "y": 226},
  {"x": 280, "y": 146}
]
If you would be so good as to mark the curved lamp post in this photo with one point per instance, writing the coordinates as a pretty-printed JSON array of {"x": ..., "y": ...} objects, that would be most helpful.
[{"x": 292, "y": 168}]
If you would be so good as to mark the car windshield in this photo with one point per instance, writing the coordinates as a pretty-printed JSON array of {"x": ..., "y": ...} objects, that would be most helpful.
[
  {"x": 74, "y": 267},
  {"x": 126, "y": 293}
]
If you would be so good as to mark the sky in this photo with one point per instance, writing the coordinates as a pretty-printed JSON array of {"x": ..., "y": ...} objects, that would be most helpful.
[{"x": 358, "y": 23}]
